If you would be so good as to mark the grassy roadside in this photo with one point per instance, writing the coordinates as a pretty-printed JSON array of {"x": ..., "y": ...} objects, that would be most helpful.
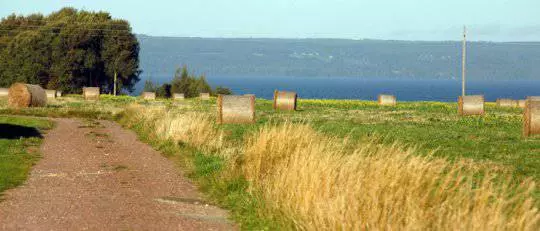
[
  {"x": 19, "y": 146},
  {"x": 225, "y": 189},
  {"x": 308, "y": 179}
]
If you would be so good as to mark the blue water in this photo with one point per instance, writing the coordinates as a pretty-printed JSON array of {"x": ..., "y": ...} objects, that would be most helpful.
[{"x": 368, "y": 89}]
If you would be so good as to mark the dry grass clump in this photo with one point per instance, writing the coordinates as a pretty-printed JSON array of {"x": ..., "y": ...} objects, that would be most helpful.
[
  {"x": 323, "y": 184},
  {"x": 194, "y": 128}
]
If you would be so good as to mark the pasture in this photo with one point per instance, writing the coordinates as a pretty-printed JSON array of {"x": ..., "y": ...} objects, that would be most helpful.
[{"x": 339, "y": 153}]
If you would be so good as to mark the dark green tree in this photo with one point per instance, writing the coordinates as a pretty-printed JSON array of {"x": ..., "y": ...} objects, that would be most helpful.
[
  {"x": 69, "y": 49},
  {"x": 188, "y": 84},
  {"x": 149, "y": 86},
  {"x": 220, "y": 90},
  {"x": 164, "y": 91}
]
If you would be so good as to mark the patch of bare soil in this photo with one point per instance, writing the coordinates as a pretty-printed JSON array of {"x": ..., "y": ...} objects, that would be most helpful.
[{"x": 100, "y": 177}]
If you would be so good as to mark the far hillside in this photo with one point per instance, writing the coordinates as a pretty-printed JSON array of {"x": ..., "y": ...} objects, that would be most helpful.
[{"x": 160, "y": 56}]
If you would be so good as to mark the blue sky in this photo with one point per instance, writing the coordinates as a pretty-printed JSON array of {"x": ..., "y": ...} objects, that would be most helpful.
[{"x": 488, "y": 20}]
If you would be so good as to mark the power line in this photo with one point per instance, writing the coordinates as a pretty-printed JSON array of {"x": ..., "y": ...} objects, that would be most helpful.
[
  {"x": 90, "y": 35},
  {"x": 50, "y": 27},
  {"x": 48, "y": 21},
  {"x": 14, "y": 33}
]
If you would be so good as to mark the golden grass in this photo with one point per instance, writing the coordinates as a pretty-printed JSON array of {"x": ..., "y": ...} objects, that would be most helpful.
[
  {"x": 323, "y": 186},
  {"x": 325, "y": 183},
  {"x": 194, "y": 128}
]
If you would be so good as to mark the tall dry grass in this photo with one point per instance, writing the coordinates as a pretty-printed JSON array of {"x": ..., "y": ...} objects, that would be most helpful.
[
  {"x": 324, "y": 183},
  {"x": 197, "y": 129},
  {"x": 323, "y": 186}
]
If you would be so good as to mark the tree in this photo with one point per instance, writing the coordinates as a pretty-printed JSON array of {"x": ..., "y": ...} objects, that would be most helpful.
[
  {"x": 188, "y": 84},
  {"x": 223, "y": 91},
  {"x": 69, "y": 49},
  {"x": 149, "y": 86},
  {"x": 164, "y": 91}
]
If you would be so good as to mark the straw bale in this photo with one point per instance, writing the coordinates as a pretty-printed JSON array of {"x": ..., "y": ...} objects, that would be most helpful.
[
  {"x": 4, "y": 92},
  {"x": 51, "y": 94},
  {"x": 236, "y": 109},
  {"x": 204, "y": 96},
  {"x": 507, "y": 103},
  {"x": 22, "y": 95},
  {"x": 471, "y": 105},
  {"x": 91, "y": 93},
  {"x": 531, "y": 117},
  {"x": 148, "y": 95},
  {"x": 285, "y": 100},
  {"x": 178, "y": 96},
  {"x": 388, "y": 100}
]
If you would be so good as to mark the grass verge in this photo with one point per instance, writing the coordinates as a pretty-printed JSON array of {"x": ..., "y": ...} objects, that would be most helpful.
[
  {"x": 299, "y": 178},
  {"x": 209, "y": 172},
  {"x": 20, "y": 139}
]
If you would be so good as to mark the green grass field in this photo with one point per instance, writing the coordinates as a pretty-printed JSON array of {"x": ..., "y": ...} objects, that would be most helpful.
[
  {"x": 493, "y": 141},
  {"x": 19, "y": 154},
  {"x": 429, "y": 126}
]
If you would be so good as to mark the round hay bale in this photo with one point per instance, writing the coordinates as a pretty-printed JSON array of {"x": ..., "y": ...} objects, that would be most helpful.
[
  {"x": 249, "y": 94},
  {"x": 521, "y": 103},
  {"x": 91, "y": 93},
  {"x": 58, "y": 94},
  {"x": 531, "y": 117},
  {"x": 148, "y": 95},
  {"x": 51, "y": 94},
  {"x": 507, "y": 103},
  {"x": 535, "y": 98},
  {"x": 178, "y": 96},
  {"x": 471, "y": 105},
  {"x": 4, "y": 92},
  {"x": 204, "y": 96},
  {"x": 236, "y": 109},
  {"x": 387, "y": 100},
  {"x": 285, "y": 100},
  {"x": 22, "y": 95}
]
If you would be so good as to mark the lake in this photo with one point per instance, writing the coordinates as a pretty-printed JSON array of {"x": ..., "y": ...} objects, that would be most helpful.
[{"x": 368, "y": 89}]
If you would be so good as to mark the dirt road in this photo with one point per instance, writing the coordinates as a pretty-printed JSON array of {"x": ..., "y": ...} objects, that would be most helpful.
[{"x": 98, "y": 176}]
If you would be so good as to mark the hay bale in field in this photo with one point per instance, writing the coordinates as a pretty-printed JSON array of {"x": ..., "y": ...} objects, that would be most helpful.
[
  {"x": 521, "y": 103},
  {"x": 249, "y": 94},
  {"x": 285, "y": 100},
  {"x": 236, "y": 109},
  {"x": 507, "y": 103},
  {"x": 4, "y": 92},
  {"x": 148, "y": 95},
  {"x": 91, "y": 93},
  {"x": 58, "y": 94},
  {"x": 388, "y": 100},
  {"x": 204, "y": 96},
  {"x": 22, "y": 95},
  {"x": 178, "y": 96},
  {"x": 531, "y": 116},
  {"x": 471, "y": 105},
  {"x": 51, "y": 94}
]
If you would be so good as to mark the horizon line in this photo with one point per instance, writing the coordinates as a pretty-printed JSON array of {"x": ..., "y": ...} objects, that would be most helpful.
[{"x": 334, "y": 38}]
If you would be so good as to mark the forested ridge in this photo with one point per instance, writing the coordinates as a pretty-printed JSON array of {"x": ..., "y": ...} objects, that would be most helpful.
[
  {"x": 69, "y": 49},
  {"x": 339, "y": 58}
]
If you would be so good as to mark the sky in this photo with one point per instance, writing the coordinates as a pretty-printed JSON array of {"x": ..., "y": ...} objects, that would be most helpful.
[{"x": 429, "y": 20}]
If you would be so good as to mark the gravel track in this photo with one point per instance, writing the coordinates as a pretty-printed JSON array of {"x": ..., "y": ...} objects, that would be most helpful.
[{"x": 98, "y": 176}]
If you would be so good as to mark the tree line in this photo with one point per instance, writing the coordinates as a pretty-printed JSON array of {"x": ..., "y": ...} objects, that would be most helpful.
[
  {"x": 184, "y": 82},
  {"x": 69, "y": 49}
]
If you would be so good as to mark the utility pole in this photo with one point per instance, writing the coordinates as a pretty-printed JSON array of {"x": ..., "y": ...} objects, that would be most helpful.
[
  {"x": 115, "y": 75},
  {"x": 463, "y": 61}
]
